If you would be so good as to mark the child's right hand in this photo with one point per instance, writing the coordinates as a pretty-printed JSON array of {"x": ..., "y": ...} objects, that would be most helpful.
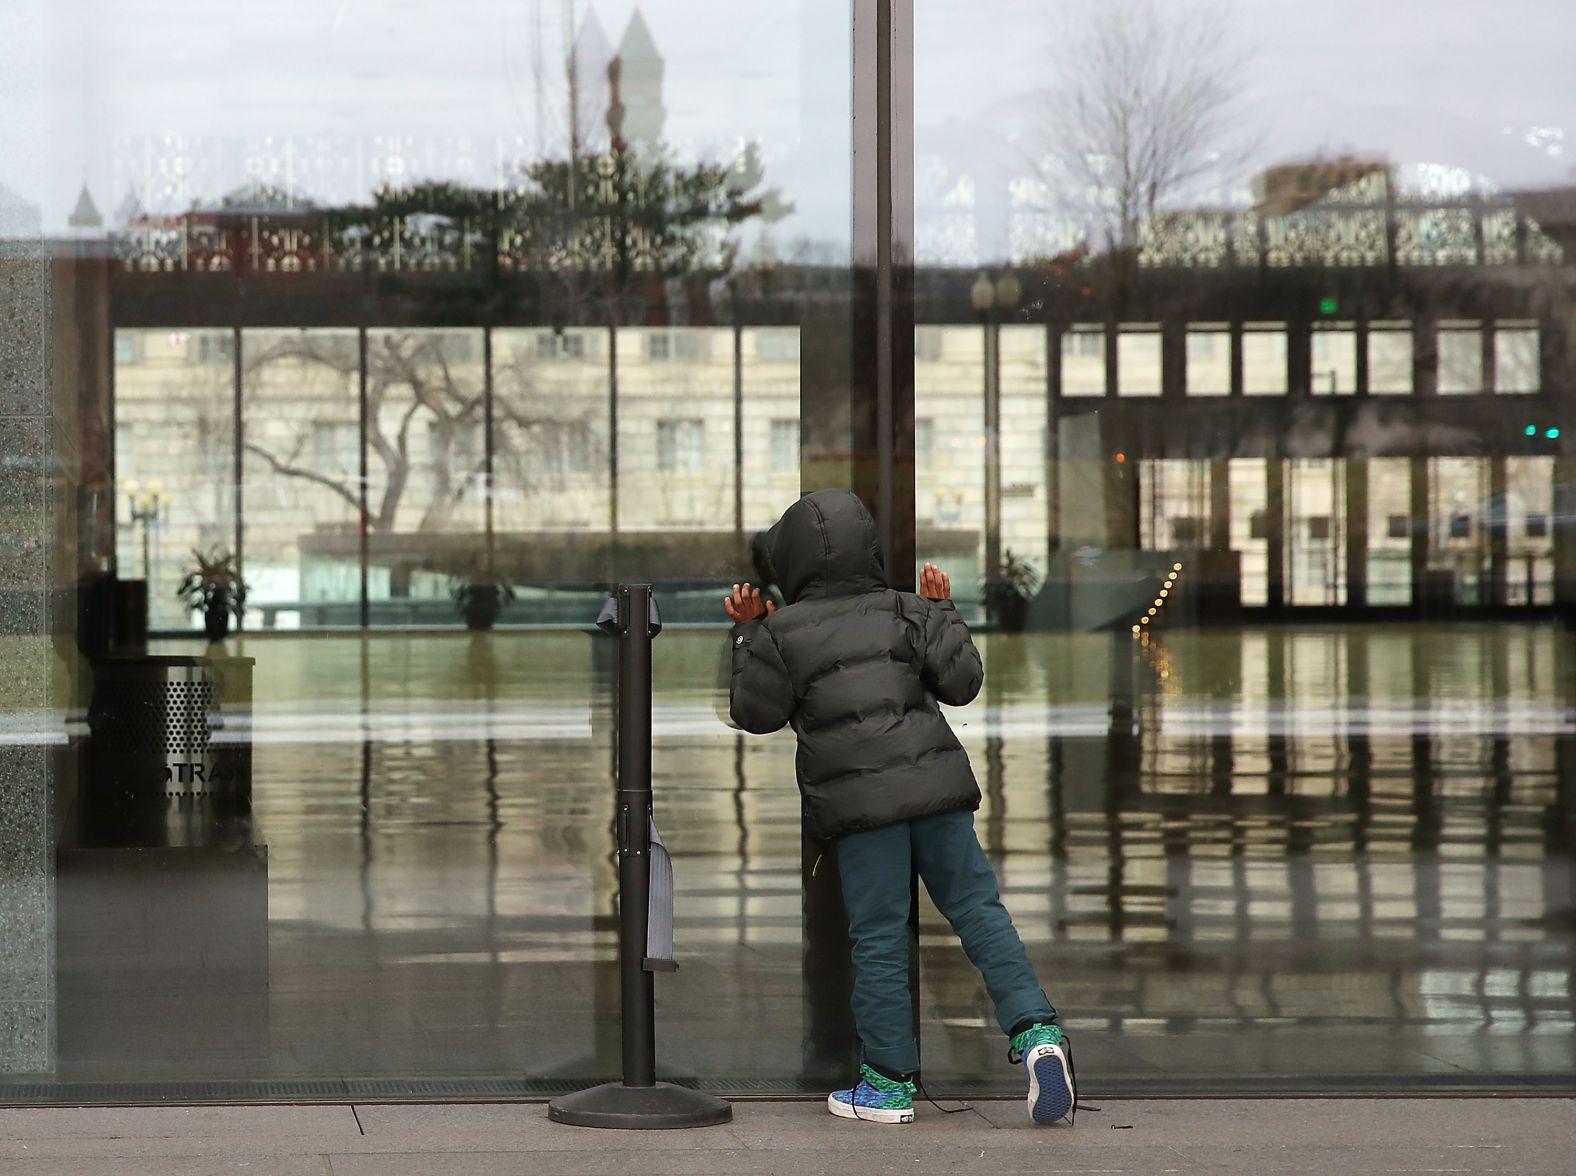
[
  {"x": 934, "y": 584},
  {"x": 745, "y": 604}
]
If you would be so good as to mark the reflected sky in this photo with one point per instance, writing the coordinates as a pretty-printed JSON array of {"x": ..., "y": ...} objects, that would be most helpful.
[{"x": 100, "y": 85}]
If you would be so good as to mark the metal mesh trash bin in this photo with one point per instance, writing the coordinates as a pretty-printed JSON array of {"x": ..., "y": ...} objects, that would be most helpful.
[{"x": 157, "y": 727}]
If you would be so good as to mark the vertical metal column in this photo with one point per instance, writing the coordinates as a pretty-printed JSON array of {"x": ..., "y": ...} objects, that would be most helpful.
[
  {"x": 363, "y": 521},
  {"x": 1356, "y": 471},
  {"x": 857, "y": 397},
  {"x": 238, "y": 449},
  {"x": 489, "y": 440},
  {"x": 992, "y": 447},
  {"x": 1275, "y": 531}
]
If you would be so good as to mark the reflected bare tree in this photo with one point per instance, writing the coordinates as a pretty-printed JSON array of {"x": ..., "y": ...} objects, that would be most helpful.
[
  {"x": 425, "y": 417},
  {"x": 1150, "y": 104}
]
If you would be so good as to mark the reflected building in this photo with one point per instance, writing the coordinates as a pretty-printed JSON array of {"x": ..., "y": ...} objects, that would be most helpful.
[{"x": 1348, "y": 400}]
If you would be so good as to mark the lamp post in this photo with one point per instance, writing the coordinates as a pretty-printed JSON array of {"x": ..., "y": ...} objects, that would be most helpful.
[
  {"x": 148, "y": 505},
  {"x": 990, "y": 300}
]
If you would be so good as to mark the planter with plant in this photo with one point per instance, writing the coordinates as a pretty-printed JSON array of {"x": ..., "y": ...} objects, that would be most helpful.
[
  {"x": 481, "y": 598},
  {"x": 214, "y": 588},
  {"x": 1007, "y": 595}
]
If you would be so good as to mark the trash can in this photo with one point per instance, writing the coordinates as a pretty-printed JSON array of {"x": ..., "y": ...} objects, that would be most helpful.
[{"x": 171, "y": 726}]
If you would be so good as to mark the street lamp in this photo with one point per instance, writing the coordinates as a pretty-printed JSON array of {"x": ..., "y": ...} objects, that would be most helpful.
[
  {"x": 148, "y": 505},
  {"x": 992, "y": 299}
]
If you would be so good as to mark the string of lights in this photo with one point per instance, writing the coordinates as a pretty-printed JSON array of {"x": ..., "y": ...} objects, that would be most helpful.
[{"x": 1153, "y": 614}]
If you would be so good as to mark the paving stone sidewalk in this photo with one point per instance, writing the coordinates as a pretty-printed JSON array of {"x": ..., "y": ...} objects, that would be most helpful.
[{"x": 1520, "y": 1135}]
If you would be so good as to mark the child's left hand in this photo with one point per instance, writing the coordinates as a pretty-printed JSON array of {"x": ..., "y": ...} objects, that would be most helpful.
[{"x": 746, "y": 605}]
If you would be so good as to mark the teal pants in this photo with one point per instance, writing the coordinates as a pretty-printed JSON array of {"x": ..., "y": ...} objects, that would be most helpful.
[{"x": 875, "y": 868}]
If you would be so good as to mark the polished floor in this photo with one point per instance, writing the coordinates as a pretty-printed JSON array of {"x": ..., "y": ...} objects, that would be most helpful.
[{"x": 1247, "y": 859}]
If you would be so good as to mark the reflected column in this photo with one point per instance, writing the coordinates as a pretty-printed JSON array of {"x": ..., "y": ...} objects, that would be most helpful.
[{"x": 1356, "y": 532}]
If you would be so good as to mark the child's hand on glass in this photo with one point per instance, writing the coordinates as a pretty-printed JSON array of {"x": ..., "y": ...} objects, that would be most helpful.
[
  {"x": 746, "y": 604},
  {"x": 934, "y": 584}
]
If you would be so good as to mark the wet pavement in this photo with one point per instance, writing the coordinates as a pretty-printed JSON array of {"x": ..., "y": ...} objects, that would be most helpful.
[{"x": 1243, "y": 860}]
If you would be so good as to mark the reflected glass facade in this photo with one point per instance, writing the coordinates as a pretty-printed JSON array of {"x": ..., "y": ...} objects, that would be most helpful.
[{"x": 1251, "y": 463}]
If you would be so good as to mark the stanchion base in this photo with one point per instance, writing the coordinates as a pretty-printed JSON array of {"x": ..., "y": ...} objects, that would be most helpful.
[{"x": 640, "y": 1108}]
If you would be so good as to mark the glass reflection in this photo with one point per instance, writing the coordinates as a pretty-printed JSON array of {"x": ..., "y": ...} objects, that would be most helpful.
[{"x": 544, "y": 326}]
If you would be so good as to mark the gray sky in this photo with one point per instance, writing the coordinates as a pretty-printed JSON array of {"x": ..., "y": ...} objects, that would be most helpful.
[{"x": 111, "y": 91}]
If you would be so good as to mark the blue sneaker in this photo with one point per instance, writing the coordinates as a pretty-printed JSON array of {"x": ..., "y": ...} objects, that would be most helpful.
[
  {"x": 875, "y": 1099},
  {"x": 1047, "y": 1055}
]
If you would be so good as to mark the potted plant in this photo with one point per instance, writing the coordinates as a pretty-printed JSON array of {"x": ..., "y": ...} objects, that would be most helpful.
[
  {"x": 215, "y": 589},
  {"x": 1008, "y": 594},
  {"x": 481, "y": 597}
]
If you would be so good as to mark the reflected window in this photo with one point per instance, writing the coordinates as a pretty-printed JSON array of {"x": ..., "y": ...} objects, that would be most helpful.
[
  {"x": 678, "y": 345},
  {"x": 680, "y": 446},
  {"x": 1516, "y": 367},
  {"x": 1390, "y": 359},
  {"x": 1460, "y": 353},
  {"x": 336, "y": 447},
  {"x": 1460, "y": 526},
  {"x": 1528, "y": 500},
  {"x": 553, "y": 345},
  {"x": 1264, "y": 359},
  {"x": 1333, "y": 360},
  {"x": 1208, "y": 359},
  {"x": 215, "y": 348},
  {"x": 1083, "y": 361},
  {"x": 564, "y": 448},
  {"x": 927, "y": 344},
  {"x": 1138, "y": 371},
  {"x": 1249, "y": 525},
  {"x": 924, "y": 442},
  {"x": 785, "y": 444},
  {"x": 1390, "y": 530},
  {"x": 777, "y": 346}
]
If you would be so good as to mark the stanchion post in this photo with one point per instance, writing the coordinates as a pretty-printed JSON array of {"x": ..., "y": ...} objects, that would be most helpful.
[
  {"x": 639, "y": 1101},
  {"x": 634, "y": 836}
]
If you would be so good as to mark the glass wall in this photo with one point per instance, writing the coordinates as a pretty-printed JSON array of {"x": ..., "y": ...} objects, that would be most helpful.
[
  {"x": 430, "y": 383},
  {"x": 1250, "y": 462},
  {"x": 1247, "y": 769}
]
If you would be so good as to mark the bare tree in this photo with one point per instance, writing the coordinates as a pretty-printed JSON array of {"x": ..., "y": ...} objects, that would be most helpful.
[
  {"x": 1149, "y": 104},
  {"x": 425, "y": 417}
]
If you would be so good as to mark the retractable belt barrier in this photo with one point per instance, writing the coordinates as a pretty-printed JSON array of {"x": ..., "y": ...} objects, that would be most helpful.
[{"x": 645, "y": 882}]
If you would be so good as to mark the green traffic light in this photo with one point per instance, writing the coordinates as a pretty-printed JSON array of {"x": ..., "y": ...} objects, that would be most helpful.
[
  {"x": 1552, "y": 434},
  {"x": 1532, "y": 430},
  {"x": 1328, "y": 306}
]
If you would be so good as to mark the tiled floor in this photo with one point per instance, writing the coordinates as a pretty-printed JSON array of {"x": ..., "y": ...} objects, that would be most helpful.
[{"x": 1245, "y": 858}]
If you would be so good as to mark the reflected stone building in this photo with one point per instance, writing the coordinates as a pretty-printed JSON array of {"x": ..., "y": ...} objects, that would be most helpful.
[{"x": 1348, "y": 400}]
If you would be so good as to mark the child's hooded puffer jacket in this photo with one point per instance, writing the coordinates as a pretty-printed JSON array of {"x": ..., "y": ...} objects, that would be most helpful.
[{"x": 858, "y": 669}]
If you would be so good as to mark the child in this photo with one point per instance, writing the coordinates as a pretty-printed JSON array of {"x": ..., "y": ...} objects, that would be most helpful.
[{"x": 858, "y": 669}]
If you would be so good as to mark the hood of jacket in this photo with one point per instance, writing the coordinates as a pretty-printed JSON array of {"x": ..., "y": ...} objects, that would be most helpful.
[{"x": 826, "y": 544}]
